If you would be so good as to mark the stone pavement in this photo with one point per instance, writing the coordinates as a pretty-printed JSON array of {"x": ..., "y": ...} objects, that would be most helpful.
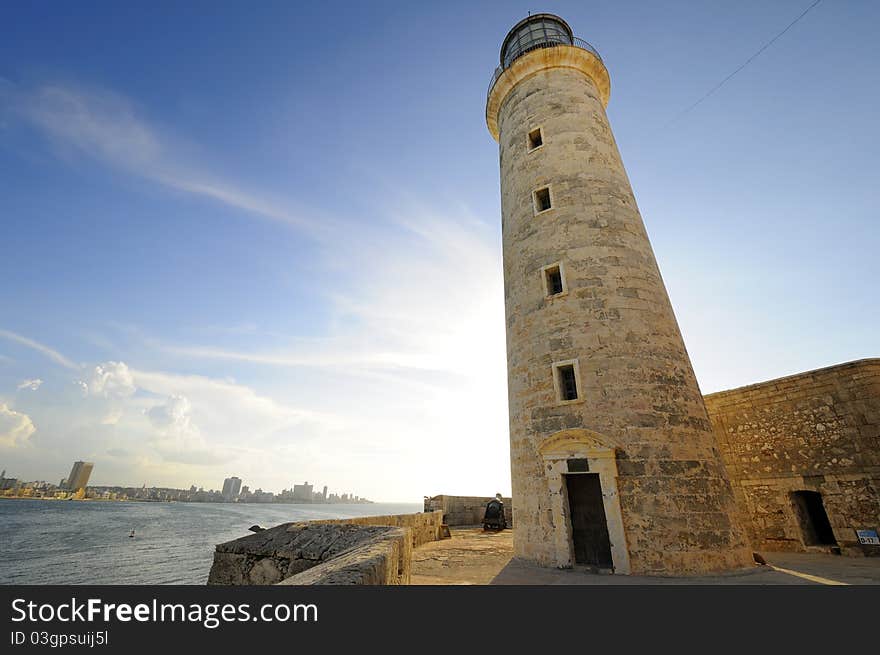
[{"x": 472, "y": 556}]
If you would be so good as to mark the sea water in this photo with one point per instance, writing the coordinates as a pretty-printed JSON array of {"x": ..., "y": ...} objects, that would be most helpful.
[{"x": 87, "y": 542}]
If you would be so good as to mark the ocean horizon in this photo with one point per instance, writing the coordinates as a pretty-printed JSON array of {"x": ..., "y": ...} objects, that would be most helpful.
[{"x": 87, "y": 542}]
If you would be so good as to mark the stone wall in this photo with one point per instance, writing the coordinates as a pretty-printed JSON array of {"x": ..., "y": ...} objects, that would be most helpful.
[
  {"x": 424, "y": 527},
  {"x": 465, "y": 510},
  {"x": 815, "y": 431},
  {"x": 384, "y": 561},
  {"x": 364, "y": 550}
]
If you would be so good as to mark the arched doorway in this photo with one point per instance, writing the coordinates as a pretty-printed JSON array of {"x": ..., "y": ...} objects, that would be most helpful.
[{"x": 581, "y": 473}]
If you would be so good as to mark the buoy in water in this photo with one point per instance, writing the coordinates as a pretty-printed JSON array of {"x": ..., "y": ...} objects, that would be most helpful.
[{"x": 131, "y": 535}]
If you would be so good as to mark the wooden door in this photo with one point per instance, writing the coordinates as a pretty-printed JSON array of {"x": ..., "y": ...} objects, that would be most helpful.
[{"x": 589, "y": 529}]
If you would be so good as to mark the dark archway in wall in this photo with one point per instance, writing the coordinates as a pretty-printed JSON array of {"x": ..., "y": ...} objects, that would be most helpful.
[{"x": 813, "y": 519}]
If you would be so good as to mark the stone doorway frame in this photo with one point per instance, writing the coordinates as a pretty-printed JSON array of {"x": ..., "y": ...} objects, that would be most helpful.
[{"x": 601, "y": 455}]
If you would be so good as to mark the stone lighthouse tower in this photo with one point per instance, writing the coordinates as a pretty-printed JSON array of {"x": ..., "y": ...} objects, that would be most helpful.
[{"x": 613, "y": 458}]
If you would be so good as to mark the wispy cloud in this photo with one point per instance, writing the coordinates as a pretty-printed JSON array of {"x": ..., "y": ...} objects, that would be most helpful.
[
  {"x": 210, "y": 394},
  {"x": 30, "y": 385},
  {"x": 106, "y": 127},
  {"x": 54, "y": 355},
  {"x": 431, "y": 301},
  {"x": 310, "y": 353},
  {"x": 409, "y": 352},
  {"x": 412, "y": 353}
]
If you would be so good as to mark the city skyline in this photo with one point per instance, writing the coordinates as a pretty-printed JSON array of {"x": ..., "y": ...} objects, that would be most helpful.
[
  {"x": 83, "y": 470},
  {"x": 224, "y": 251}
]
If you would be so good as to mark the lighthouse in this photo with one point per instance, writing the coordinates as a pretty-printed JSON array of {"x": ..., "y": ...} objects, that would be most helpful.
[{"x": 613, "y": 459}]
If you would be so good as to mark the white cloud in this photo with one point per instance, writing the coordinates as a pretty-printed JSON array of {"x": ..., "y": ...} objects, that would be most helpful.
[
  {"x": 229, "y": 407},
  {"x": 30, "y": 385},
  {"x": 411, "y": 366},
  {"x": 178, "y": 438},
  {"x": 54, "y": 355},
  {"x": 15, "y": 428},
  {"x": 164, "y": 427},
  {"x": 412, "y": 362},
  {"x": 110, "y": 380},
  {"x": 413, "y": 354},
  {"x": 112, "y": 416},
  {"x": 432, "y": 302},
  {"x": 173, "y": 416}
]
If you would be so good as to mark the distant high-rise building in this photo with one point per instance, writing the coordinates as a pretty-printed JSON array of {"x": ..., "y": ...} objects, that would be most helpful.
[
  {"x": 324, "y": 495},
  {"x": 231, "y": 487},
  {"x": 79, "y": 475},
  {"x": 302, "y": 492}
]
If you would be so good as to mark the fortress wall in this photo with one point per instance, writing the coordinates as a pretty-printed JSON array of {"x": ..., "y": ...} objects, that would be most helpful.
[
  {"x": 815, "y": 431},
  {"x": 424, "y": 527},
  {"x": 465, "y": 510},
  {"x": 383, "y": 561},
  {"x": 363, "y": 550}
]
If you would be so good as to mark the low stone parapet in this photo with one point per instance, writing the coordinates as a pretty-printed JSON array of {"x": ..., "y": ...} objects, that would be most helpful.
[
  {"x": 386, "y": 560},
  {"x": 365, "y": 550},
  {"x": 425, "y": 527},
  {"x": 465, "y": 510}
]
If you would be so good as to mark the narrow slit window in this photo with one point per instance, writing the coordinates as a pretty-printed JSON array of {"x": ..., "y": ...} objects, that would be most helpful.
[
  {"x": 553, "y": 280},
  {"x": 536, "y": 139},
  {"x": 542, "y": 200},
  {"x": 567, "y": 382}
]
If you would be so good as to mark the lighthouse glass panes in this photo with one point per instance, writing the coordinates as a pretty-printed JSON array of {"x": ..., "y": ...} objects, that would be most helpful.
[{"x": 541, "y": 33}]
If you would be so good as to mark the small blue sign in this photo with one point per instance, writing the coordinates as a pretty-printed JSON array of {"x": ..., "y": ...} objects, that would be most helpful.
[{"x": 868, "y": 537}]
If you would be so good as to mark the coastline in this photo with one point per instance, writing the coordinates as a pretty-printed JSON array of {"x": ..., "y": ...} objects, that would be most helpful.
[{"x": 185, "y": 502}]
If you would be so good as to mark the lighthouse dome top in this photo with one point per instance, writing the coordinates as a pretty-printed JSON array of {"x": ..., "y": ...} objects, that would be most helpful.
[
  {"x": 541, "y": 42},
  {"x": 538, "y": 31}
]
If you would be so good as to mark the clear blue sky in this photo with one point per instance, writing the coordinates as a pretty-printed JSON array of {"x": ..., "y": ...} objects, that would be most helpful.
[{"x": 263, "y": 239}]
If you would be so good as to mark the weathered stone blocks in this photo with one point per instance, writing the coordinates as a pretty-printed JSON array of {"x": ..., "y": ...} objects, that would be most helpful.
[
  {"x": 815, "y": 431},
  {"x": 364, "y": 550}
]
